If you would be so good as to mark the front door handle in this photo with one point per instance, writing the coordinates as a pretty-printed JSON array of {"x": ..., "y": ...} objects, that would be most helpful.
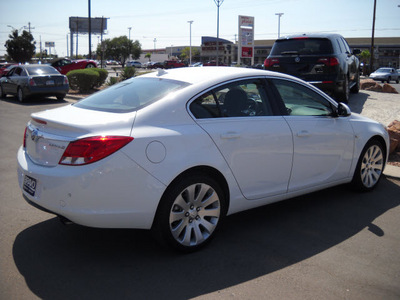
[
  {"x": 230, "y": 135},
  {"x": 303, "y": 133}
]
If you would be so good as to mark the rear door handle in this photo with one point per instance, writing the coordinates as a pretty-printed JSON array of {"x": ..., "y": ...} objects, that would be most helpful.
[
  {"x": 230, "y": 135},
  {"x": 303, "y": 133}
]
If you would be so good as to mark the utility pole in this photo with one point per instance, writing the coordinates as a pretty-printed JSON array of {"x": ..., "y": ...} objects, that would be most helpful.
[
  {"x": 90, "y": 32},
  {"x": 371, "y": 62},
  {"x": 279, "y": 23}
]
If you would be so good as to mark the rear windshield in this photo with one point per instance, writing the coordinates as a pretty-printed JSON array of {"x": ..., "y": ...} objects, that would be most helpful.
[
  {"x": 40, "y": 70},
  {"x": 302, "y": 46},
  {"x": 131, "y": 95}
]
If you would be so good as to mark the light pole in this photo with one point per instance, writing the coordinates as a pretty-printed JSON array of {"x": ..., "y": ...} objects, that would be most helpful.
[
  {"x": 218, "y": 3},
  {"x": 279, "y": 23},
  {"x": 129, "y": 28},
  {"x": 155, "y": 41},
  {"x": 190, "y": 51}
]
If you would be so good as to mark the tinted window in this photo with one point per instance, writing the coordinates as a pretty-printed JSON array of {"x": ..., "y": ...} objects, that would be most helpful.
[
  {"x": 305, "y": 46},
  {"x": 245, "y": 98},
  {"x": 131, "y": 95},
  {"x": 302, "y": 101},
  {"x": 40, "y": 70}
]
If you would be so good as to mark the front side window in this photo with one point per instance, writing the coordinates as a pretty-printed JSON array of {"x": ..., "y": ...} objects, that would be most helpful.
[
  {"x": 131, "y": 95},
  {"x": 245, "y": 98},
  {"x": 302, "y": 101}
]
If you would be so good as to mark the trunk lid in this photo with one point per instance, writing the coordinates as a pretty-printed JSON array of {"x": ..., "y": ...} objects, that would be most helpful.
[{"x": 49, "y": 132}]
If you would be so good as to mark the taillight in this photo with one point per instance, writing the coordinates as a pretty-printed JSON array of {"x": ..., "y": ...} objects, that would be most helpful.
[
  {"x": 24, "y": 143},
  {"x": 89, "y": 150},
  {"x": 329, "y": 61},
  {"x": 32, "y": 82},
  {"x": 65, "y": 80},
  {"x": 269, "y": 62}
]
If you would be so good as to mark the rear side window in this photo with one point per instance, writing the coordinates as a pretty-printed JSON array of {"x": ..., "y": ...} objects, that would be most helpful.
[
  {"x": 245, "y": 98},
  {"x": 131, "y": 95},
  {"x": 40, "y": 70},
  {"x": 302, "y": 46}
]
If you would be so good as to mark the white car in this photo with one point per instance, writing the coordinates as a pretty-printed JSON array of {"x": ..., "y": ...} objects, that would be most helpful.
[
  {"x": 136, "y": 64},
  {"x": 175, "y": 151}
]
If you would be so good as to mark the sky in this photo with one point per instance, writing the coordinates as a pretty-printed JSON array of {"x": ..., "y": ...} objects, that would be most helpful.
[{"x": 167, "y": 20}]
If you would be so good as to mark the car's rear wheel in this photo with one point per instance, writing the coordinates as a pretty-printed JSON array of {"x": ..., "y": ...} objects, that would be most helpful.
[
  {"x": 369, "y": 167},
  {"x": 60, "y": 97},
  {"x": 189, "y": 213},
  {"x": 2, "y": 94},
  {"x": 20, "y": 95},
  {"x": 344, "y": 95}
]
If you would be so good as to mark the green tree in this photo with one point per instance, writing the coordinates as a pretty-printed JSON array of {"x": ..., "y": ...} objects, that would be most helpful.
[
  {"x": 21, "y": 48},
  {"x": 120, "y": 48},
  {"x": 185, "y": 54},
  {"x": 365, "y": 55},
  {"x": 148, "y": 55}
]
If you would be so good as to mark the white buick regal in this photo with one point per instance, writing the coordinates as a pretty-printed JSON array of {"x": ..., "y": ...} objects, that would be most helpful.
[{"x": 176, "y": 151}]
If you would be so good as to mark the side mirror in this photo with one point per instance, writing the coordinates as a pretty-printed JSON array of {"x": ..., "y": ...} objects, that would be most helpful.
[
  {"x": 343, "y": 110},
  {"x": 356, "y": 51}
]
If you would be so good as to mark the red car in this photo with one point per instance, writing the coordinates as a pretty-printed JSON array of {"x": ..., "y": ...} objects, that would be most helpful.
[
  {"x": 65, "y": 65},
  {"x": 169, "y": 64},
  {"x": 5, "y": 67}
]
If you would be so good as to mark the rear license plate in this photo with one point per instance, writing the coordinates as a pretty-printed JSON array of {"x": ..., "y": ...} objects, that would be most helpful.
[
  {"x": 50, "y": 82},
  {"x": 29, "y": 185}
]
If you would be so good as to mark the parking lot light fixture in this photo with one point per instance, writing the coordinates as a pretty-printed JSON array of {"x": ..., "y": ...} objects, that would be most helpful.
[
  {"x": 190, "y": 48},
  {"x": 279, "y": 23}
]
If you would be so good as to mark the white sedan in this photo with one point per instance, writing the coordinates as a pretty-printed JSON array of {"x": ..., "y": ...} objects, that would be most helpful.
[{"x": 176, "y": 151}]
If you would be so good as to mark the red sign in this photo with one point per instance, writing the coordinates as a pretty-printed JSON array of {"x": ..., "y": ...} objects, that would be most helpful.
[{"x": 247, "y": 52}]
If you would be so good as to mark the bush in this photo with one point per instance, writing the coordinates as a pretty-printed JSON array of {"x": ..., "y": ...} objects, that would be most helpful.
[
  {"x": 112, "y": 80},
  {"x": 128, "y": 72},
  {"x": 103, "y": 74},
  {"x": 83, "y": 80}
]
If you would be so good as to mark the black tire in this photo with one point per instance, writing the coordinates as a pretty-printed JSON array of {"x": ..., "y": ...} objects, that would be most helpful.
[
  {"x": 389, "y": 79},
  {"x": 60, "y": 97},
  {"x": 20, "y": 95},
  {"x": 88, "y": 66},
  {"x": 2, "y": 94},
  {"x": 356, "y": 88},
  {"x": 189, "y": 213},
  {"x": 344, "y": 95},
  {"x": 397, "y": 81},
  {"x": 369, "y": 167}
]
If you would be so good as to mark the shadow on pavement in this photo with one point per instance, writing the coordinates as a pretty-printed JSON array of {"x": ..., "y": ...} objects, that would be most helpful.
[
  {"x": 34, "y": 101},
  {"x": 357, "y": 102},
  {"x": 61, "y": 262}
]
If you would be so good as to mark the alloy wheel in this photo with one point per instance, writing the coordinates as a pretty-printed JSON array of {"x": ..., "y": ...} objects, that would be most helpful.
[
  {"x": 372, "y": 166},
  {"x": 194, "y": 214}
]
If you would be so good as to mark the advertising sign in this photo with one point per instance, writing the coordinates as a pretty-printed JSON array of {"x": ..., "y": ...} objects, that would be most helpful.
[
  {"x": 246, "y": 38},
  {"x": 49, "y": 44},
  {"x": 81, "y": 25}
]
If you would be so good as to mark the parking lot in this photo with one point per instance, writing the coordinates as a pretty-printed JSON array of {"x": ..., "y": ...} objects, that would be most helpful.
[{"x": 333, "y": 244}]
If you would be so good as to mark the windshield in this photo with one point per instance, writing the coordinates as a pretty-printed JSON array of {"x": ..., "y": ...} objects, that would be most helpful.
[
  {"x": 130, "y": 95},
  {"x": 305, "y": 46}
]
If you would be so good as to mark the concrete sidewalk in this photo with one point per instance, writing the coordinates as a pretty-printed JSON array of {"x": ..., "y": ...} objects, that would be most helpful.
[{"x": 392, "y": 171}]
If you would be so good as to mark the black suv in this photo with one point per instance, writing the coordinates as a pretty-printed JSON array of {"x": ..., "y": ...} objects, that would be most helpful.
[{"x": 324, "y": 60}]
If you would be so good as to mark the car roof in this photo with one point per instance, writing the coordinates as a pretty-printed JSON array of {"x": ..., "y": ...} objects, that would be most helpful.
[
  {"x": 210, "y": 74},
  {"x": 311, "y": 35}
]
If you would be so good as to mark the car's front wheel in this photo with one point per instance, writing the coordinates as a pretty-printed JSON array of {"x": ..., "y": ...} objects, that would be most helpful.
[
  {"x": 369, "y": 167},
  {"x": 189, "y": 213},
  {"x": 90, "y": 66},
  {"x": 20, "y": 95}
]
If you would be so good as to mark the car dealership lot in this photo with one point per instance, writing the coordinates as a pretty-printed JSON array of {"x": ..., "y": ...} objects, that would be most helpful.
[{"x": 334, "y": 244}]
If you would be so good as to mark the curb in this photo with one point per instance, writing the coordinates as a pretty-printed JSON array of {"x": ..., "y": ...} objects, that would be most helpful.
[{"x": 392, "y": 171}]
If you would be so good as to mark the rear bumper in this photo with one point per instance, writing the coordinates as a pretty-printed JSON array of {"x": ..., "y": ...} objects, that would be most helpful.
[
  {"x": 46, "y": 91},
  {"x": 114, "y": 194}
]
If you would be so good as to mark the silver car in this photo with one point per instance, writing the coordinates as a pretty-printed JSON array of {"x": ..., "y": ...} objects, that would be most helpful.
[{"x": 385, "y": 74}]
